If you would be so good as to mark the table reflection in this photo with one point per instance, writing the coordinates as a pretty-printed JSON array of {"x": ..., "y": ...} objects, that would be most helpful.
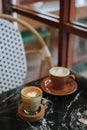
[{"x": 61, "y": 112}]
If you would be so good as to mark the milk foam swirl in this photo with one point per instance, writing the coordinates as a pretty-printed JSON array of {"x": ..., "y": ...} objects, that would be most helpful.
[{"x": 59, "y": 71}]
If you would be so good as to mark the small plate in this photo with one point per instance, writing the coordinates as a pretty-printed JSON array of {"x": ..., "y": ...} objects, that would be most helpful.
[
  {"x": 47, "y": 86},
  {"x": 31, "y": 118}
]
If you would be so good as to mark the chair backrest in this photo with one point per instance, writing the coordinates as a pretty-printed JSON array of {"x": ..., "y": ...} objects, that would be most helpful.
[
  {"x": 13, "y": 65},
  {"x": 44, "y": 52}
]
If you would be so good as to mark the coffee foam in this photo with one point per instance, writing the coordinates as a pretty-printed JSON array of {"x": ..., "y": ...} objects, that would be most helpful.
[
  {"x": 59, "y": 71},
  {"x": 31, "y": 92}
]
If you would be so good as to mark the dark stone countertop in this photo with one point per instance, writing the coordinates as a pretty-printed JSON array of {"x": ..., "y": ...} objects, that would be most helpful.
[{"x": 61, "y": 113}]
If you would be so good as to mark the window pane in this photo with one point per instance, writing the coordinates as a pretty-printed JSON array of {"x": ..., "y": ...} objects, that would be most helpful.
[
  {"x": 81, "y": 12},
  {"x": 80, "y": 55},
  {"x": 51, "y": 7},
  {"x": 80, "y": 48}
]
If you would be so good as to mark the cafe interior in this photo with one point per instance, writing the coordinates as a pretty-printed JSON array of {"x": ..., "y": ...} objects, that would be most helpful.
[{"x": 36, "y": 36}]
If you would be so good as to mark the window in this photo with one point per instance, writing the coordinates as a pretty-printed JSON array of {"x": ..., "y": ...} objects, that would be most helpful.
[
  {"x": 69, "y": 30},
  {"x": 72, "y": 27}
]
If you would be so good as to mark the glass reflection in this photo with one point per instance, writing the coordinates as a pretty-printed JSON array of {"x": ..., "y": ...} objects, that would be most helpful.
[{"x": 80, "y": 12}]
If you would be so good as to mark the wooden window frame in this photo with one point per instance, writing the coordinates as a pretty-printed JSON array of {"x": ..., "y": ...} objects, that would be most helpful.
[{"x": 66, "y": 30}]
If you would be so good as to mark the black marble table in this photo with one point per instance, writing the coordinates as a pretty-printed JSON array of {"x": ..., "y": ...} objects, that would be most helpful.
[{"x": 61, "y": 113}]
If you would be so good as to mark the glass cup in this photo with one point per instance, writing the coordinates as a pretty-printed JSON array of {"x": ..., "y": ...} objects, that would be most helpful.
[{"x": 31, "y": 98}]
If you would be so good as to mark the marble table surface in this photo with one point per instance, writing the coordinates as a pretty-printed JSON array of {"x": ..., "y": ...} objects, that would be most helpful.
[{"x": 67, "y": 112}]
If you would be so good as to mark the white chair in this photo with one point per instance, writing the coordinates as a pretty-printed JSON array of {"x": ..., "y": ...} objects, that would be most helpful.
[{"x": 13, "y": 65}]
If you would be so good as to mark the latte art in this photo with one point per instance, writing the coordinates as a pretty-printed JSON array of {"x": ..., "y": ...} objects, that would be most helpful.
[
  {"x": 59, "y": 71},
  {"x": 32, "y": 94}
]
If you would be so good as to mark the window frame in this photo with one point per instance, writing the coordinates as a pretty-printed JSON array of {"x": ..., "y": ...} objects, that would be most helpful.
[{"x": 65, "y": 33}]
